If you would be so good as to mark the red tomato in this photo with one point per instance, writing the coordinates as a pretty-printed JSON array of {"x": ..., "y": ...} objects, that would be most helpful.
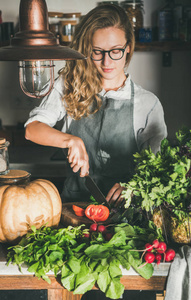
[
  {"x": 97, "y": 213},
  {"x": 80, "y": 212}
]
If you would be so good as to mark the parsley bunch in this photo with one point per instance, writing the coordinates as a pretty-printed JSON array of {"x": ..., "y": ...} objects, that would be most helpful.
[{"x": 162, "y": 179}]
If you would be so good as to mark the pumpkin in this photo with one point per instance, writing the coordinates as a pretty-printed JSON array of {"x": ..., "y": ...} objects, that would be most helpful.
[{"x": 36, "y": 203}]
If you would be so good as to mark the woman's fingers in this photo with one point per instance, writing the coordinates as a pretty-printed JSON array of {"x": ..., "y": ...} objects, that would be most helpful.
[{"x": 114, "y": 195}]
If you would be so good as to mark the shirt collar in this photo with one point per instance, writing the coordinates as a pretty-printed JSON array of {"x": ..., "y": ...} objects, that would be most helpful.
[{"x": 123, "y": 93}]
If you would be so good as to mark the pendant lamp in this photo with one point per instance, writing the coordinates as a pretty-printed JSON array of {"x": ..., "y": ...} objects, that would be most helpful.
[{"x": 36, "y": 49}]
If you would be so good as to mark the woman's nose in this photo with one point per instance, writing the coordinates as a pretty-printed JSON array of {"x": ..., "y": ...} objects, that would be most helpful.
[{"x": 106, "y": 59}]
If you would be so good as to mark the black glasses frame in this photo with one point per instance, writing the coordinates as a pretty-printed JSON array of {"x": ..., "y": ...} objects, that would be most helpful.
[{"x": 109, "y": 53}]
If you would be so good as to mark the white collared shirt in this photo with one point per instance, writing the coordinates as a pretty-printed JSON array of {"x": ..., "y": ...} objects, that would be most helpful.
[{"x": 149, "y": 124}]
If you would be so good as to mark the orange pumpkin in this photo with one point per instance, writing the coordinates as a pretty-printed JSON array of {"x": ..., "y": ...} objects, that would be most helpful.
[{"x": 36, "y": 203}]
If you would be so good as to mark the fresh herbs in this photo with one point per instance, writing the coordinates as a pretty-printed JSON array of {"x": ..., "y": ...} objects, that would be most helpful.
[
  {"x": 81, "y": 262},
  {"x": 162, "y": 179}
]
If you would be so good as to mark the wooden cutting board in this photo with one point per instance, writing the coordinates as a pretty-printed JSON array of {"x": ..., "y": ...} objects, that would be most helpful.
[{"x": 68, "y": 216}]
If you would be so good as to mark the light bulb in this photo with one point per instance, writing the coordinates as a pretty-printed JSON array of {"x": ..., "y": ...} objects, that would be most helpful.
[{"x": 36, "y": 77}]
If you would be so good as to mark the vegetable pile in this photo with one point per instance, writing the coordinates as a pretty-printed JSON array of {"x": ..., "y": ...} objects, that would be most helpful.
[
  {"x": 164, "y": 178},
  {"x": 83, "y": 257}
]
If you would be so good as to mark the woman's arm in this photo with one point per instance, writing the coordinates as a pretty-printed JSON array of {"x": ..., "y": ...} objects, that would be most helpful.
[{"x": 43, "y": 134}]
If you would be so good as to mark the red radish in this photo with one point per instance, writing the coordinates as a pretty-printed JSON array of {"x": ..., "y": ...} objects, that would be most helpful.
[
  {"x": 108, "y": 236},
  {"x": 148, "y": 247},
  {"x": 162, "y": 247},
  {"x": 169, "y": 255},
  {"x": 86, "y": 235},
  {"x": 101, "y": 228},
  {"x": 158, "y": 258},
  {"x": 155, "y": 244},
  {"x": 149, "y": 257},
  {"x": 93, "y": 227}
]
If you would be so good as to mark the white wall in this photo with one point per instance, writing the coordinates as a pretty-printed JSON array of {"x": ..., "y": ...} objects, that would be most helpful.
[{"x": 171, "y": 84}]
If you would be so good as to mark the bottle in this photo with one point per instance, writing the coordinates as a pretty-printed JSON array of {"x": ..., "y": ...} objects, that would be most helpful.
[{"x": 166, "y": 21}]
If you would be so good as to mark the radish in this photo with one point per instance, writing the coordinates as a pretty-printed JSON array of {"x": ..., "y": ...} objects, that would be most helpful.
[
  {"x": 169, "y": 255},
  {"x": 148, "y": 247},
  {"x": 93, "y": 227},
  {"x": 101, "y": 228},
  {"x": 158, "y": 258},
  {"x": 149, "y": 257},
  {"x": 155, "y": 244},
  {"x": 161, "y": 247},
  {"x": 86, "y": 235}
]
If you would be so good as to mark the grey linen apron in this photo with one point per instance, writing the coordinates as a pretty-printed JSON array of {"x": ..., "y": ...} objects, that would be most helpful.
[{"x": 110, "y": 143}]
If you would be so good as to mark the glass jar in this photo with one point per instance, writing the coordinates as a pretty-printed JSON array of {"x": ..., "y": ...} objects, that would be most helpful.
[
  {"x": 54, "y": 22},
  {"x": 134, "y": 10},
  {"x": 17, "y": 177},
  {"x": 67, "y": 26},
  {"x": 4, "y": 157},
  {"x": 166, "y": 21}
]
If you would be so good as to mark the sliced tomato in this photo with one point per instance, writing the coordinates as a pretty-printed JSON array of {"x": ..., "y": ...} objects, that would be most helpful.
[
  {"x": 80, "y": 212},
  {"x": 97, "y": 213}
]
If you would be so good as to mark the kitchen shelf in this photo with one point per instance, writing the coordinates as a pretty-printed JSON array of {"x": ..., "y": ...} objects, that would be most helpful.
[
  {"x": 163, "y": 46},
  {"x": 146, "y": 47}
]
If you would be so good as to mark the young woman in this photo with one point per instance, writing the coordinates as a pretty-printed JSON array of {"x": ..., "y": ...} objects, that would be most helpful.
[{"x": 107, "y": 117}]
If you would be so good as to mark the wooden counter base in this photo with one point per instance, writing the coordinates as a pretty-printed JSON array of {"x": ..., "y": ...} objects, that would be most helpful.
[{"x": 57, "y": 292}]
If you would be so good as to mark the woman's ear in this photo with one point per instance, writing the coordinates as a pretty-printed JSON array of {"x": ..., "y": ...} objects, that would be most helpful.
[{"x": 128, "y": 49}]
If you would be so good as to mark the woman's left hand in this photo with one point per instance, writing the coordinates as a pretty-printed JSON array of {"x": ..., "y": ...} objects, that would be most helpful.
[{"x": 114, "y": 195}]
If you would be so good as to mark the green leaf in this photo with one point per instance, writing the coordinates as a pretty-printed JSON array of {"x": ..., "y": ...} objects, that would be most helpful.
[
  {"x": 55, "y": 255},
  {"x": 115, "y": 289},
  {"x": 103, "y": 280},
  {"x": 114, "y": 269},
  {"x": 74, "y": 264},
  {"x": 96, "y": 251},
  {"x": 83, "y": 274},
  {"x": 145, "y": 271},
  {"x": 33, "y": 268},
  {"x": 69, "y": 282},
  {"x": 87, "y": 285},
  {"x": 65, "y": 271}
]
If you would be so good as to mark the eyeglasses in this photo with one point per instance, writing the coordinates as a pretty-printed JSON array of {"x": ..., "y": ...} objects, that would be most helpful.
[{"x": 115, "y": 54}]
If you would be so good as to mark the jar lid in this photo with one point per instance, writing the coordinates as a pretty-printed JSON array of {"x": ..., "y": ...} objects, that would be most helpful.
[
  {"x": 132, "y": 2},
  {"x": 15, "y": 174},
  {"x": 72, "y": 15},
  {"x": 52, "y": 14},
  {"x": 108, "y": 2}
]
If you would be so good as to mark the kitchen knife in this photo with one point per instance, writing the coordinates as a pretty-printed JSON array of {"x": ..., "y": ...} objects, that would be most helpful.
[
  {"x": 92, "y": 187},
  {"x": 95, "y": 191}
]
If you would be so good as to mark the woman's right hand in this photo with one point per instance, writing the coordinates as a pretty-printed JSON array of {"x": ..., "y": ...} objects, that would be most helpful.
[
  {"x": 43, "y": 134},
  {"x": 77, "y": 156}
]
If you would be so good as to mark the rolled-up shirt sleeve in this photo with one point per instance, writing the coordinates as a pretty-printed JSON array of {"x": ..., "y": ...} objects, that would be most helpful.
[{"x": 51, "y": 110}]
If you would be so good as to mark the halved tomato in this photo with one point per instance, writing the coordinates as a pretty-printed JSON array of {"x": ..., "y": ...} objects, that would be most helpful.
[
  {"x": 97, "y": 213},
  {"x": 80, "y": 212}
]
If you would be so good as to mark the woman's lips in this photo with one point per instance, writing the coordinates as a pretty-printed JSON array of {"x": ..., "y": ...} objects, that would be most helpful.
[{"x": 107, "y": 70}]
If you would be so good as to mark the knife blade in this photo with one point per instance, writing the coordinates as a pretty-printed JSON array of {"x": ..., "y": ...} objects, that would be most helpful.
[
  {"x": 92, "y": 186},
  {"x": 95, "y": 191}
]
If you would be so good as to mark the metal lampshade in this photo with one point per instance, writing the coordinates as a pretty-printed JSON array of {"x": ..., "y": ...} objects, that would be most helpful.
[{"x": 34, "y": 41}]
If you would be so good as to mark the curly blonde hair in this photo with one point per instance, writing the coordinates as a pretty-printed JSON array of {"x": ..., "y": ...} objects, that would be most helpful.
[{"x": 82, "y": 80}]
